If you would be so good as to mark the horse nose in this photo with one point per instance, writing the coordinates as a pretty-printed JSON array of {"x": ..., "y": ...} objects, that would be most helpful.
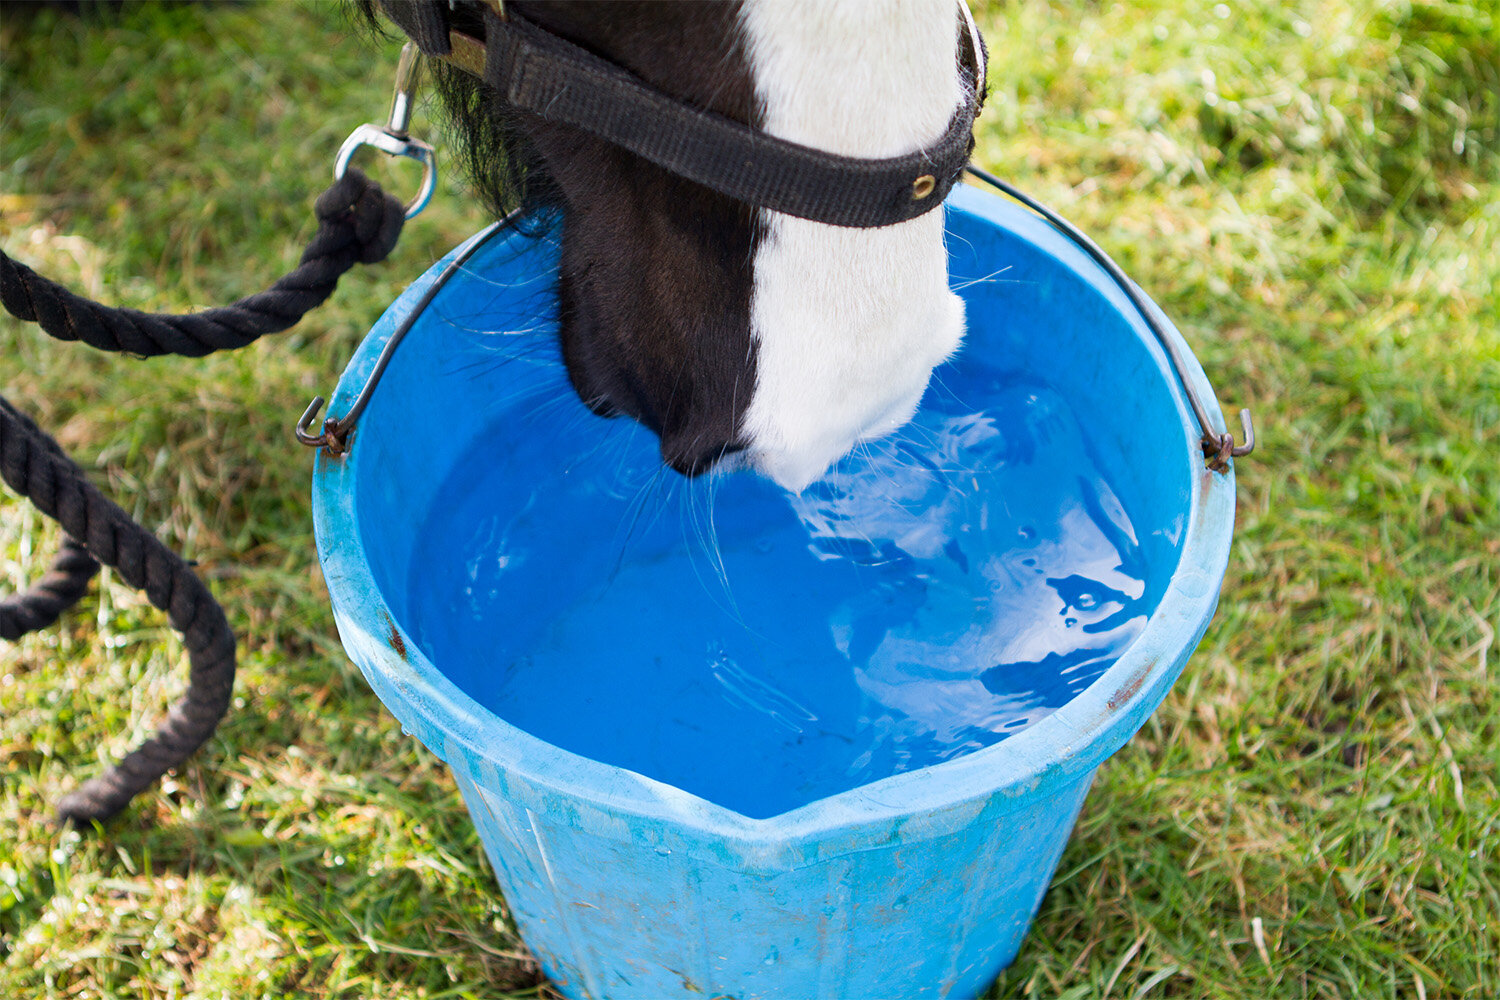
[{"x": 693, "y": 456}]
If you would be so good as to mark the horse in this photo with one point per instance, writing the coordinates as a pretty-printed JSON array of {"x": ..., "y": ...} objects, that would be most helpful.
[{"x": 743, "y": 336}]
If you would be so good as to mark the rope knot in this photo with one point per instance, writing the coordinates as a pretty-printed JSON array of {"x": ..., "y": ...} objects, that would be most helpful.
[{"x": 377, "y": 217}]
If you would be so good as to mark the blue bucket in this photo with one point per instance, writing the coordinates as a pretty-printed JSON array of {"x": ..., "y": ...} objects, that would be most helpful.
[{"x": 629, "y": 883}]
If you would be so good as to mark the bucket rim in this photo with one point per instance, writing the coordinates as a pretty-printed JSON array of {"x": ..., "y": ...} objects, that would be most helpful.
[{"x": 1063, "y": 748}]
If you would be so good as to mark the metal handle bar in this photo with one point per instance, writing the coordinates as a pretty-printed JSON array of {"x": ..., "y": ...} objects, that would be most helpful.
[
  {"x": 334, "y": 435},
  {"x": 1218, "y": 448}
]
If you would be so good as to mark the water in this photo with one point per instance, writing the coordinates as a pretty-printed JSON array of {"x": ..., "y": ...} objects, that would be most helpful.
[{"x": 934, "y": 596}]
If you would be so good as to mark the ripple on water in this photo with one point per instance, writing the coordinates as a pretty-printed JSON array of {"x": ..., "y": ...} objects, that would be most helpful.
[{"x": 937, "y": 593}]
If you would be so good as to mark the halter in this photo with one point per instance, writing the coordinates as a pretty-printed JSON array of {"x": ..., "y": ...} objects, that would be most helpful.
[{"x": 537, "y": 71}]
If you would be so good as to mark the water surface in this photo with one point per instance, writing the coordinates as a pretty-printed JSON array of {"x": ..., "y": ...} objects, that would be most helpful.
[{"x": 938, "y": 593}]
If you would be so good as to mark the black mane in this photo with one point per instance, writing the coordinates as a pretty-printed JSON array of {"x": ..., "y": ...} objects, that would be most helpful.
[{"x": 503, "y": 168}]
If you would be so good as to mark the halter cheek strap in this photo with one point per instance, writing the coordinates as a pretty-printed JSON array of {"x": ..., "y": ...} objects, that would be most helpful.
[{"x": 537, "y": 71}]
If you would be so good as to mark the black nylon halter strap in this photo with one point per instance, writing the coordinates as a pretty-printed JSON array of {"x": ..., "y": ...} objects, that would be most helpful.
[{"x": 537, "y": 71}]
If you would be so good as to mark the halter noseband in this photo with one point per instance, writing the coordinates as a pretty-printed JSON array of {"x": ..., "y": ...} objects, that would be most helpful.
[{"x": 534, "y": 70}]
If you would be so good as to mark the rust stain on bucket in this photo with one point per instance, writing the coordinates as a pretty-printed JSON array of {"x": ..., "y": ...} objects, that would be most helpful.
[
  {"x": 1131, "y": 686},
  {"x": 393, "y": 637}
]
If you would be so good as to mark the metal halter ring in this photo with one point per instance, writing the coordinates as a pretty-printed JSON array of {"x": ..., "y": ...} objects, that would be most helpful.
[{"x": 393, "y": 138}]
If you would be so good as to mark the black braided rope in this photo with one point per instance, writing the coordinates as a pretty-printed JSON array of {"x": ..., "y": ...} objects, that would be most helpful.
[
  {"x": 60, "y": 490},
  {"x": 358, "y": 223},
  {"x": 65, "y": 582}
]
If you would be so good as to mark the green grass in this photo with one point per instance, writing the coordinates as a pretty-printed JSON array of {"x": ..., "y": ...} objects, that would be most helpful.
[{"x": 1312, "y": 190}]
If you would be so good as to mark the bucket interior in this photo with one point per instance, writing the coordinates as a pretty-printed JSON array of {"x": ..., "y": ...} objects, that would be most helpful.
[{"x": 942, "y": 591}]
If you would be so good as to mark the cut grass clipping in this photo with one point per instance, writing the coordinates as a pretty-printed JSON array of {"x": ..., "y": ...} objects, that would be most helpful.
[{"x": 1311, "y": 190}]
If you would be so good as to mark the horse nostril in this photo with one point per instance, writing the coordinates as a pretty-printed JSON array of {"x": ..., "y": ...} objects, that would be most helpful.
[{"x": 692, "y": 458}]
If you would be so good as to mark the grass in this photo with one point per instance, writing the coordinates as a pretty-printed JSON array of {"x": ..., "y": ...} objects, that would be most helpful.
[{"x": 1310, "y": 189}]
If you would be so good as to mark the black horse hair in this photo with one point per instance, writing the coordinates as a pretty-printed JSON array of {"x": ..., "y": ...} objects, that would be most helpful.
[{"x": 503, "y": 168}]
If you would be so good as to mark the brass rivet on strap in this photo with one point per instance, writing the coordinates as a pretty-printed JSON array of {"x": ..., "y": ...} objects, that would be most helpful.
[{"x": 924, "y": 186}]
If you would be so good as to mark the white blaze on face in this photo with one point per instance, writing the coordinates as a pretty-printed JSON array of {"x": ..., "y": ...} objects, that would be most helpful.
[{"x": 849, "y": 323}]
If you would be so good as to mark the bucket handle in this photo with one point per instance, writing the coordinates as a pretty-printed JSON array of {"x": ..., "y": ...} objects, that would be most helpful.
[
  {"x": 334, "y": 435},
  {"x": 1218, "y": 448},
  {"x": 394, "y": 139}
]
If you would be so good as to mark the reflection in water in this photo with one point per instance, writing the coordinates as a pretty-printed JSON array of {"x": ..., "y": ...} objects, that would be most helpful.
[{"x": 939, "y": 592}]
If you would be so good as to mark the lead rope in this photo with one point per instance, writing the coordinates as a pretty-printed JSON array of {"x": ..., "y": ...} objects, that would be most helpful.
[{"x": 358, "y": 223}]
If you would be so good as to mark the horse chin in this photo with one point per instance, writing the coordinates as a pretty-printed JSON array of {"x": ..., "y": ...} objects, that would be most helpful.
[
  {"x": 795, "y": 438},
  {"x": 795, "y": 468},
  {"x": 848, "y": 329}
]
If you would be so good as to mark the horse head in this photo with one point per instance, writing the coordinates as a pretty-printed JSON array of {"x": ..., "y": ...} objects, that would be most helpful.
[{"x": 730, "y": 329}]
